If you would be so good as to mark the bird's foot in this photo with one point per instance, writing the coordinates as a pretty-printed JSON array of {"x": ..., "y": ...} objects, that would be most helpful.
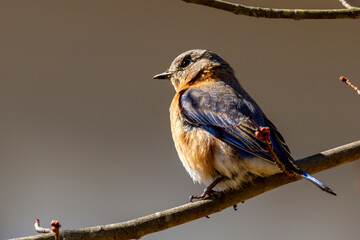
[{"x": 206, "y": 194}]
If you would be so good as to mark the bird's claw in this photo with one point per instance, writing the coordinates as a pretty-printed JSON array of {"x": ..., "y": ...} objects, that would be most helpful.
[{"x": 206, "y": 194}]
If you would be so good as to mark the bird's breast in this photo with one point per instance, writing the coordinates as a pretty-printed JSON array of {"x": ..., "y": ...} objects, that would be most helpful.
[{"x": 196, "y": 147}]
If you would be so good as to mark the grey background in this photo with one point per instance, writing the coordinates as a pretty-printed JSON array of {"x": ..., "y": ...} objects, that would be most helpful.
[{"x": 84, "y": 130}]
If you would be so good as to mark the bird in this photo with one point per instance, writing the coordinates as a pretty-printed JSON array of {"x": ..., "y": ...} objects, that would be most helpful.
[{"x": 215, "y": 127}]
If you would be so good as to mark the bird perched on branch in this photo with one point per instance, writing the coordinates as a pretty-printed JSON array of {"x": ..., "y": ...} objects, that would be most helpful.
[{"x": 215, "y": 126}]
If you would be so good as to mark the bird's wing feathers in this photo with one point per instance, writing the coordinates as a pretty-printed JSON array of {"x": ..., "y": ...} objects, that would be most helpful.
[{"x": 220, "y": 110}]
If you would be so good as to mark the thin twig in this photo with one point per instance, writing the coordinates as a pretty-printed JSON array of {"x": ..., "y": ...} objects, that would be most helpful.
[
  {"x": 263, "y": 133},
  {"x": 345, "y": 4},
  {"x": 296, "y": 14},
  {"x": 40, "y": 229},
  {"x": 55, "y": 228},
  {"x": 350, "y": 84},
  {"x": 135, "y": 229}
]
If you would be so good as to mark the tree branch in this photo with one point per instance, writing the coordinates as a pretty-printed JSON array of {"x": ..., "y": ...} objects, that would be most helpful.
[
  {"x": 175, "y": 216},
  {"x": 296, "y": 14}
]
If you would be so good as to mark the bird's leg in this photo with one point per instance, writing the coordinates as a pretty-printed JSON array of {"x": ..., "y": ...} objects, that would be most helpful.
[{"x": 208, "y": 192}]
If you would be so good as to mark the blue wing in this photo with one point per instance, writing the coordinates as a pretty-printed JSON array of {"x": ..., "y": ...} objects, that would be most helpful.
[
  {"x": 222, "y": 111},
  {"x": 233, "y": 117}
]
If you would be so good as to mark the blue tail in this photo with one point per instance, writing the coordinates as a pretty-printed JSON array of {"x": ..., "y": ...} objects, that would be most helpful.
[{"x": 315, "y": 181}]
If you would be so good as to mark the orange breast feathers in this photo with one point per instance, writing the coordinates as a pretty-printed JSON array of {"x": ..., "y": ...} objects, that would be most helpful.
[{"x": 195, "y": 146}]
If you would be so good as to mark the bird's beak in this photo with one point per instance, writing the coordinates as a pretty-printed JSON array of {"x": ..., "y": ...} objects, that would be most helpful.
[{"x": 164, "y": 75}]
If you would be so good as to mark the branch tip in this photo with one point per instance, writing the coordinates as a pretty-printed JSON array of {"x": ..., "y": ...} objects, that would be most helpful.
[
  {"x": 350, "y": 84},
  {"x": 40, "y": 229},
  {"x": 343, "y": 79}
]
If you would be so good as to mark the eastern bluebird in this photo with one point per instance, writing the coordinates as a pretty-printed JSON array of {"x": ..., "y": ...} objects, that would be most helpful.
[{"x": 214, "y": 123}]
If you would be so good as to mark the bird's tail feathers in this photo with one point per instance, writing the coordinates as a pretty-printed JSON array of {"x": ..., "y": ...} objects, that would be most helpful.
[
  {"x": 290, "y": 166},
  {"x": 317, "y": 182}
]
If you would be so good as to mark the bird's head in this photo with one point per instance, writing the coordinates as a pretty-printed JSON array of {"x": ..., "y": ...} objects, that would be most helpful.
[{"x": 190, "y": 66}]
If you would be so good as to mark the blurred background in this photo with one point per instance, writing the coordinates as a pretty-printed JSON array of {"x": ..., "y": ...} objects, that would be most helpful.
[{"x": 85, "y": 134}]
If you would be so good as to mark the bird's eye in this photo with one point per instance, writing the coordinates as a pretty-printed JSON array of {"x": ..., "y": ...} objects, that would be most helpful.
[{"x": 185, "y": 62}]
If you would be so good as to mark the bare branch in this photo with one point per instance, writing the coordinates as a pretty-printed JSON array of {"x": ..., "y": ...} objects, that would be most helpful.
[
  {"x": 135, "y": 229},
  {"x": 40, "y": 229},
  {"x": 296, "y": 14},
  {"x": 350, "y": 84}
]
